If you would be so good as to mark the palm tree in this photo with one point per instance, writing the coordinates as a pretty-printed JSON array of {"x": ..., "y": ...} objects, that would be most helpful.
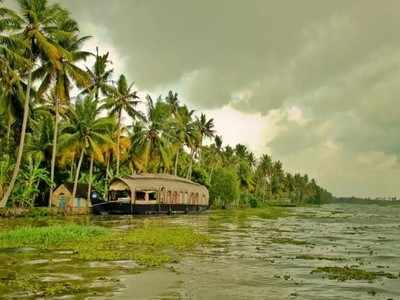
[
  {"x": 100, "y": 76},
  {"x": 85, "y": 133},
  {"x": 151, "y": 141},
  {"x": 217, "y": 155},
  {"x": 62, "y": 78},
  {"x": 183, "y": 128},
  {"x": 38, "y": 27},
  {"x": 122, "y": 98},
  {"x": 204, "y": 129},
  {"x": 265, "y": 168}
]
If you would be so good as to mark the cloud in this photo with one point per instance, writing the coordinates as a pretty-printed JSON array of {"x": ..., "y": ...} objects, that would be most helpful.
[{"x": 314, "y": 82}]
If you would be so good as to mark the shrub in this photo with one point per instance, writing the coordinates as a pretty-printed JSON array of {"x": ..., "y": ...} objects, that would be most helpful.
[
  {"x": 249, "y": 200},
  {"x": 225, "y": 188}
]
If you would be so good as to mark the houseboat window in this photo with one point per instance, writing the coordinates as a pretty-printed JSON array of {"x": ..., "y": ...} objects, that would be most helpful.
[
  {"x": 152, "y": 196},
  {"x": 175, "y": 197},
  {"x": 169, "y": 196},
  {"x": 182, "y": 197},
  {"x": 120, "y": 195},
  {"x": 187, "y": 200},
  {"x": 140, "y": 195}
]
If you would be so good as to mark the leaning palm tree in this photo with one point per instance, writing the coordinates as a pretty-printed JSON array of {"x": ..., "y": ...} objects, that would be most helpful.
[
  {"x": 122, "y": 99},
  {"x": 37, "y": 27},
  {"x": 84, "y": 134}
]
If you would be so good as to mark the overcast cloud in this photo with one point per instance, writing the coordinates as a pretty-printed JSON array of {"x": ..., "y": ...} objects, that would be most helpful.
[{"x": 315, "y": 83}]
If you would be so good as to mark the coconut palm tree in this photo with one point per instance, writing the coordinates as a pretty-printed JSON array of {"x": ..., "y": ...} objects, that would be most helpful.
[
  {"x": 100, "y": 76},
  {"x": 122, "y": 99},
  {"x": 84, "y": 133},
  {"x": 265, "y": 169},
  {"x": 37, "y": 26},
  {"x": 61, "y": 79},
  {"x": 217, "y": 149},
  {"x": 183, "y": 128},
  {"x": 151, "y": 140},
  {"x": 203, "y": 128}
]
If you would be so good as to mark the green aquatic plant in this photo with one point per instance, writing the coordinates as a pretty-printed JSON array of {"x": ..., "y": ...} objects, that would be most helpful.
[
  {"x": 49, "y": 236},
  {"x": 350, "y": 273},
  {"x": 153, "y": 244}
]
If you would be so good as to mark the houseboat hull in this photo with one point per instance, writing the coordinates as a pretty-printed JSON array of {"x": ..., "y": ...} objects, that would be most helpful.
[{"x": 117, "y": 208}]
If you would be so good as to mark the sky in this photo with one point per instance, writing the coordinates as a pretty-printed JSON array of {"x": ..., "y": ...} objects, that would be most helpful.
[{"x": 316, "y": 84}]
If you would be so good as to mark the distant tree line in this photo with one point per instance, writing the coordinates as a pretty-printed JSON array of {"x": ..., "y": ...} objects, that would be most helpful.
[{"x": 48, "y": 137}]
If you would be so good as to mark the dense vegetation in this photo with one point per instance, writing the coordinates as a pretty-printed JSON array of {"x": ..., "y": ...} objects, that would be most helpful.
[{"x": 48, "y": 136}]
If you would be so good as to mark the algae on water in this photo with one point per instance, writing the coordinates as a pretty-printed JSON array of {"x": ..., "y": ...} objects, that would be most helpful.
[{"x": 349, "y": 273}]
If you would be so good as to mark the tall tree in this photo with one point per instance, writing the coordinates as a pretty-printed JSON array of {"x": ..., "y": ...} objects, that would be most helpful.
[
  {"x": 151, "y": 140},
  {"x": 122, "y": 99},
  {"x": 85, "y": 132},
  {"x": 204, "y": 129},
  {"x": 61, "y": 78},
  {"x": 100, "y": 76}
]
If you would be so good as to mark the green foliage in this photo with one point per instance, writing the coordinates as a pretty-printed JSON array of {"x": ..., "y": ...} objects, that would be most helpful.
[
  {"x": 249, "y": 200},
  {"x": 5, "y": 169},
  {"x": 27, "y": 187},
  {"x": 45, "y": 237},
  {"x": 224, "y": 188},
  {"x": 200, "y": 175}
]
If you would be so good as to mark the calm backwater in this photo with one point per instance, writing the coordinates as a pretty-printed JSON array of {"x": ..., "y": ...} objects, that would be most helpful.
[{"x": 250, "y": 257}]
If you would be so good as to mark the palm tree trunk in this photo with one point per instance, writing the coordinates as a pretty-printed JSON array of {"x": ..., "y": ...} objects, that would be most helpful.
[
  {"x": 189, "y": 173},
  {"x": 90, "y": 180},
  {"x": 8, "y": 135},
  {"x": 71, "y": 169},
  {"x": 107, "y": 171},
  {"x": 78, "y": 170},
  {"x": 54, "y": 152},
  {"x": 176, "y": 162},
  {"x": 211, "y": 174},
  {"x": 118, "y": 140},
  {"x": 7, "y": 194}
]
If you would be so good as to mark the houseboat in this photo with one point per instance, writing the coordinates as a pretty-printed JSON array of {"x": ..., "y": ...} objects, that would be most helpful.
[{"x": 153, "y": 193}]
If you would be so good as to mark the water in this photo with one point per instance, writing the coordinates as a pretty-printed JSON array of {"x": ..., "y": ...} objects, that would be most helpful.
[{"x": 250, "y": 258}]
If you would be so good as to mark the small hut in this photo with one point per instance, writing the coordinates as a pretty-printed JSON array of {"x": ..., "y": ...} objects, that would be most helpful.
[{"x": 62, "y": 198}]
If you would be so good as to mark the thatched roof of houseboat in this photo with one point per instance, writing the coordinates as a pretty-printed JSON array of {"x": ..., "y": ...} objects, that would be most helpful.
[{"x": 148, "y": 180}]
